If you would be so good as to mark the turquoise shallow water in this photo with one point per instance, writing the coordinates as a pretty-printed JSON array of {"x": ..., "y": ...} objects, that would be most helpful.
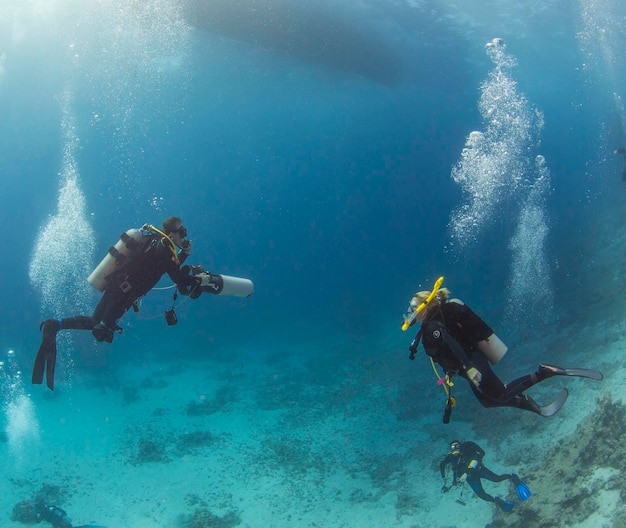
[{"x": 342, "y": 157}]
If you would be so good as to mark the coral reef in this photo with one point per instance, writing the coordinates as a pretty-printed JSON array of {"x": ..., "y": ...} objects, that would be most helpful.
[
  {"x": 190, "y": 443},
  {"x": 203, "y": 518},
  {"x": 149, "y": 451},
  {"x": 223, "y": 400},
  {"x": 293, "y": 456},
  {"x": 24, "y": 512},
  {"x": 581, "y": 477},
  {"x": 162, "y": 445}
]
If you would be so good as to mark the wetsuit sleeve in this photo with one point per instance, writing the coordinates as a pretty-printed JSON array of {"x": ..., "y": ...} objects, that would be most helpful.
[
  {"x": 454, "y": 347},
  {"x": 178, "y": 275},
  {"x": 182, "y": 257}
]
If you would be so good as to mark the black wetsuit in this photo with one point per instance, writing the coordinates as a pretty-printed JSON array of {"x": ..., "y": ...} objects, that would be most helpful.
[
  {"x": 450, "y": 335},
  {"x": 128, "y": 284},
  {"x": 55, "y": 516},
  {"x": 58, "y": 518},
  {"x": 471, "y": 454},
  {"x": 132, "y": 280}
]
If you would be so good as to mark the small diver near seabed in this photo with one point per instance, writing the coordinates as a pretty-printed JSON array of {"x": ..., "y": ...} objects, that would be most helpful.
[
  {"x": 466, "y": 462},
  {"x": 463, "y": 344},
  {"x": 27, "y": 512},
  {"x": 131, "y": 268}
]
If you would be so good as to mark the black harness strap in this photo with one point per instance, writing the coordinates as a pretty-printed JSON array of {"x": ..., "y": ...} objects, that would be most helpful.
[{"x": 415, "y": 344}]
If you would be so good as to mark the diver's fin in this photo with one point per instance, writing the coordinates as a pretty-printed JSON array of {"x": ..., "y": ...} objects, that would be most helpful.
[
  {"x": 38, "y": 368},
  {"x": 578, "y": 372},
  {"x": 523, "y": 491},
  {"x": 50, "y": 364},
  {"x": 584, "y": 373},
  {"x": 552, "y": 408},
  {"x": 47, "y": 354},
  {"x": 45, "y": 360}
]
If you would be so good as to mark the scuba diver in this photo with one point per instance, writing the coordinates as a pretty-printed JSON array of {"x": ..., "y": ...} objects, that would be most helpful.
[
  {"x": 462, "y": 343},
  {"x": 466, "y": 461},
  {"x": 129, "y": 271},
  {"x": 57, "y": 517}
]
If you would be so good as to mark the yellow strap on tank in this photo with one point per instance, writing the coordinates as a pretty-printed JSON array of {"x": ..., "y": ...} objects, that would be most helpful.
[
  {"x": 169, "y": 241},
  {"x": 408, "y": 321}
]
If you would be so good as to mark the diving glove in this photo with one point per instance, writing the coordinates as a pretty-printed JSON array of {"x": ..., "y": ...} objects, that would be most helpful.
[{"x": 474, "y": 376}]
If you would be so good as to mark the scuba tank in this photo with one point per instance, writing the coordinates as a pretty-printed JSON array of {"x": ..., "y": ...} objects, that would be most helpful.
[
  {"x": 492, "y": 348},
  {"x": 128, "y": 243}
]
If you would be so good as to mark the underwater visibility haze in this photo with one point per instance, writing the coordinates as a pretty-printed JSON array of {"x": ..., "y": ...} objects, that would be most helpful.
[{"x": 342, "y": 155}]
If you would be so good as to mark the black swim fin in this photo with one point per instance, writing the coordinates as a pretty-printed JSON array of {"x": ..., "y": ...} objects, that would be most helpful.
[
  {"x": 38, "y": 368},
  {"x": 47, "y": 354},
  {"x": 584, "y": 373},
  {"x": 577, "y": 372},
  {"x": 552, "y": 408}
]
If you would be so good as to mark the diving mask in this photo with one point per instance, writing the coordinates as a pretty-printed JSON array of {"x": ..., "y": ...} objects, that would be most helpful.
[{"x": 415, "y": 307}]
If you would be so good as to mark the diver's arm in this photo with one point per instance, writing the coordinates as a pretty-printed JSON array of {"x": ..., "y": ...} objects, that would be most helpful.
[
  {"x": 185, "y": 280},
  {"x": 457, "y": 350},
  {"x": 177, "y": 272}
]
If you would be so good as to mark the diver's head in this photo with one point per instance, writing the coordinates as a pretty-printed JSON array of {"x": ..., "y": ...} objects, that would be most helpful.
[
  {"x": 421, "y": 297},
  {"x": 173, "y": 227},
  {"x": 455, "y": 447}
]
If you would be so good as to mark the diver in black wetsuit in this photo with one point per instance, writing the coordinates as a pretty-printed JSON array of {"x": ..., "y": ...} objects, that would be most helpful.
[
  {"x": 460, "y": 341},
  {"x": 57, "y": 517},
  {"x": 155, "y": 255},
  {"x": 466, "y": 461}
]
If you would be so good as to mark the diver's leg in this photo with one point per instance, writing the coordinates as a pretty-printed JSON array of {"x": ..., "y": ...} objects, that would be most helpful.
[
  {"x": 491, "y": 391},
  {"x": 78, "y": 322},
  {"x": 47, "y": 353},
  {"x": 521, "y": 401},
  {"x": 486, "y": 473},
  {"x": 524, "y": 383},
  {"x": 113, "y": 305},
  {"x": 473, "y": 479},
  {"x": 520, "y": 385}
]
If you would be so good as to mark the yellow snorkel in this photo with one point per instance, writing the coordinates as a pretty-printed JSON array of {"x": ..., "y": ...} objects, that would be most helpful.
[{"x": 409, "y": 319}]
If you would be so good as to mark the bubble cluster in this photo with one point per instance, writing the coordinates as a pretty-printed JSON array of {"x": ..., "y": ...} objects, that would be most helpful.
[
  {"x": 499, "y": 174},
  {"x": 21, "y": 423},
  {"x": 63, "y": 255},
  {"x": 494, "y": 164},
  {"x": 530, "y": 287}
]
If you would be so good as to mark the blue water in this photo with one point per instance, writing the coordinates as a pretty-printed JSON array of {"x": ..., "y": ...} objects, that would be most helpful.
[{"x": 339, "y": 182}]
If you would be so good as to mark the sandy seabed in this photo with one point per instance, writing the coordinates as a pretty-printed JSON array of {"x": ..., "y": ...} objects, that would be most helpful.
[{"x": 276, "y": 444}]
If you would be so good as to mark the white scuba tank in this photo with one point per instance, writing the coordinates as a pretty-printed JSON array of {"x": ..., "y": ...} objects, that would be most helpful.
[
  {"x": 492, "y": 348},
  {"x": 111, "y": 261},
  {"x": 236, "y": 286}
]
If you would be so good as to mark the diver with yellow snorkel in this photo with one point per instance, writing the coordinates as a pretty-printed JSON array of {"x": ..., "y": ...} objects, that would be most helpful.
[{"x": 463, "y": 344}]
